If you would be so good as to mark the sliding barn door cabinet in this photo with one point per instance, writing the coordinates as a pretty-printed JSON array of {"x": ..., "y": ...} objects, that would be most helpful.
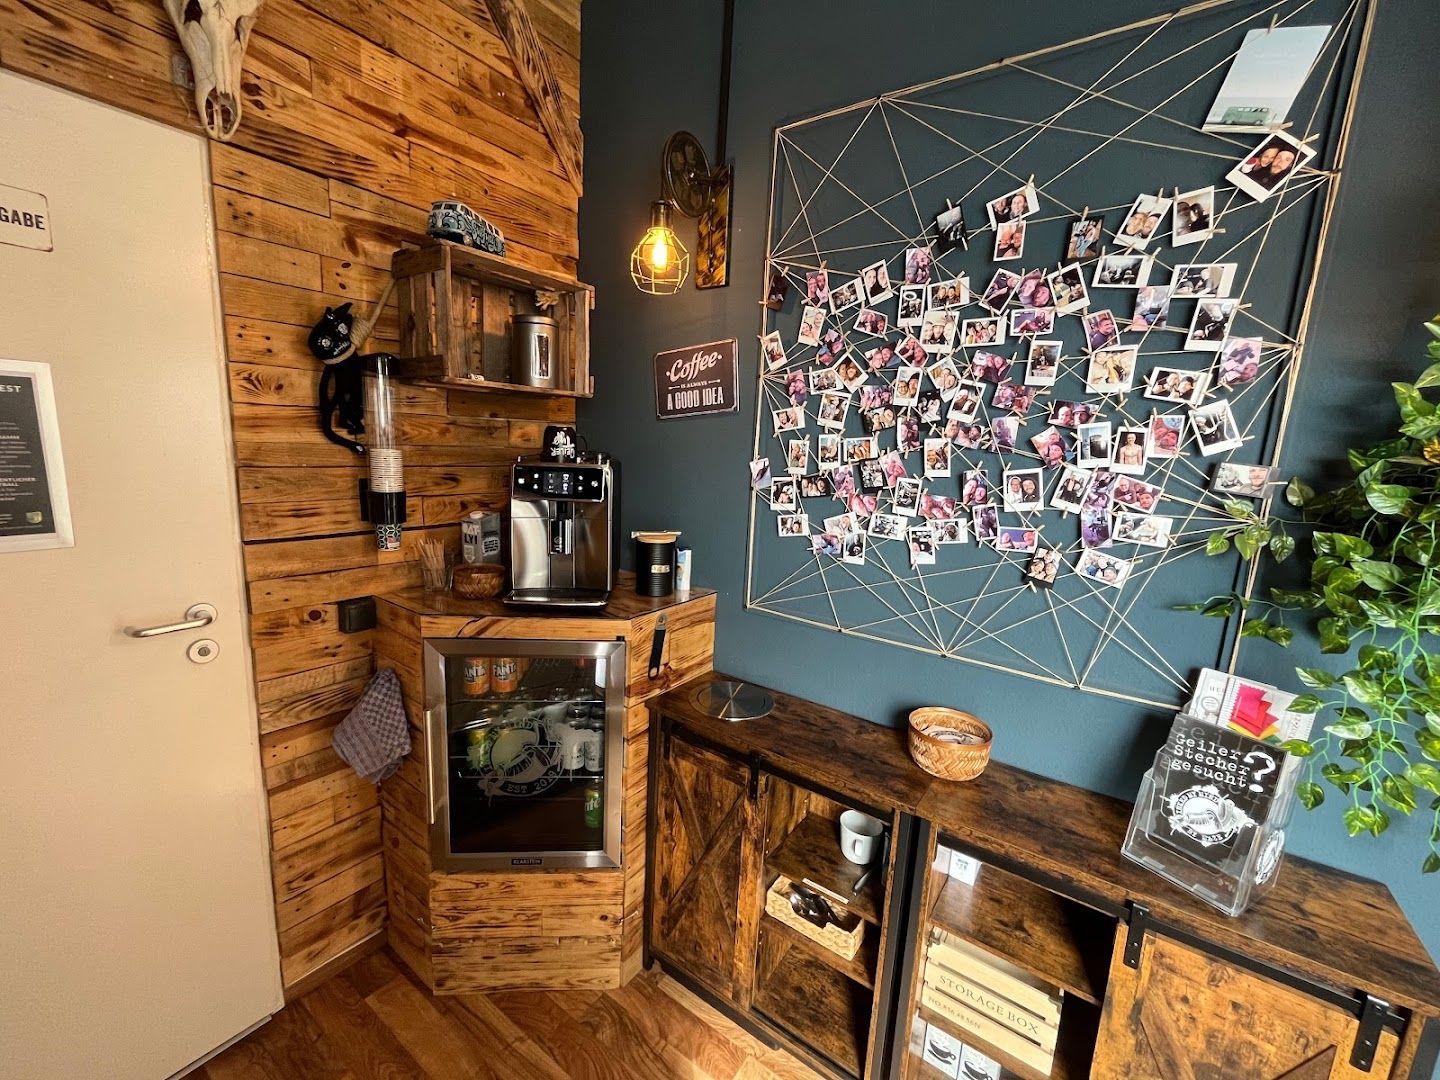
[{"x": 999, "y": 920}]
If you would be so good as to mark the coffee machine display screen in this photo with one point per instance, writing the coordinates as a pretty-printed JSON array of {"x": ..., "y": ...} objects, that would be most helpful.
[
  {"x": 557, "y": 482},
  {"x": 540, "y": 482}
]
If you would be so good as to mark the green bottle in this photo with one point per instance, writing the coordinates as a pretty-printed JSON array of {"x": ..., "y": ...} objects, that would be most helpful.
[{"x": 592, "y": 806}]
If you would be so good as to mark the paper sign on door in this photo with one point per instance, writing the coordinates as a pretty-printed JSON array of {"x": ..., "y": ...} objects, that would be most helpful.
[{"x": 24, "y": 219}]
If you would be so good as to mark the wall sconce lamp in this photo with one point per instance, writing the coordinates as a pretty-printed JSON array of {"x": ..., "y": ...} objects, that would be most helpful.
[{"x": 659, "y": 264}]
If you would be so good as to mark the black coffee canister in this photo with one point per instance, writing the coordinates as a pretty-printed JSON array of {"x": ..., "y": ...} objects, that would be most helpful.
[{"x": 655, "y": 563}]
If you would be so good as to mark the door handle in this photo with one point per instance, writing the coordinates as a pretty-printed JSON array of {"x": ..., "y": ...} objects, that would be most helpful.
[{"x": 196, "y": 616}]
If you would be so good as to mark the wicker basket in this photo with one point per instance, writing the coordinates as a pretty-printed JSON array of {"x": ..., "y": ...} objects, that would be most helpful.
[
  {"x": 478, "y": 581},
  {"x": 948, "y": 743}
]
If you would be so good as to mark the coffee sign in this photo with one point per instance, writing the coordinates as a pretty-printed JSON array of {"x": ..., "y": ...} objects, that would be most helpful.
[{"x": 696, "y": 381}]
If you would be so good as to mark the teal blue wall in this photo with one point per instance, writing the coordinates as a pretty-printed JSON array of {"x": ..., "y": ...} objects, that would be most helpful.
[{"x": 651, "y": 68}]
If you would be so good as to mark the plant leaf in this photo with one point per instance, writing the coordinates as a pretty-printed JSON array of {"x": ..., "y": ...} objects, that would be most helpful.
[
  {"x": 1282, "y": 546},
  {"x": 1358, "y": 819},
  {"x": 1393, "y": 498},
  {"x": 1398, "y": 792},
  {"x": 1298, "y": 747},
  {"x": 1218, "y": 544},
  {"x": 1333, "y": 638},
  {"x": 1317, "y": 678},
  {"x": 1380, "y": 576},
  {"x": 1377, "y": 658},
  {"x": 1431, "y": 863},
  {"x": 1306, "y": 703},
  {"x": 1350, "y": 730},
  {"x": 1254, "y": 628},
  {"x": 1298, "y": 493},
  {"x": 1310, "y": 794},
  {"x": 1280, "y": 635},
  {"x": 1423, "y": 776}
]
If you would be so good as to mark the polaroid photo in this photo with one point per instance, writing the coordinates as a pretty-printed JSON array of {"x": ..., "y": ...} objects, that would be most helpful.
[
  {"x": 937, "y": 331},
  {"x": 951, "y": 530},
  {"x": 1264, "y": 171},
  {"x": 887, "y": 526},
  {"x": 1102, "y": 569},
  {"x": 985, "y": 523},
  {"x": 788, "y": 419},
  {"x": 966, "y": 401},
  {"x": 910, "y": 351},
  {"x": 1067, "y": 414},
  {"x": 945, "y": 377},
  {"x": 1042, "y": 569},
  {"x": 1152, "y": 308},
  {"x": 776, "y": 290},
  {"x": 812, "y": 320},
  {"x": 1111, "y": 370},
  {"x": 881, "y": 357},
  {"x": 1100, "y": 492},
  {"x": 1023, "y": 490},
  {"x": 918, "y": 265},
  {"x": 1070, "y": 489},
  {"x": 834, "y": 406},
  {"x": 1121, "y": 271},
  {"x": 760, "y": 477},
  {"x": 852, "y": 548},
  {"x": 1043, "y": 365},
  {"x": 1193, "y": 217},
  {"x": 1207, "y": 280},
  {"x": 1017, "y": 538},
  {"x": 861, "y": 448},
  {"x": 872, "y": 476},
  {"x": 1009, "y": 241},
  {"x": 921, "y": 541},
  {"x": 905, "y": 496},
  {"x": 1095, "y": 527},
  {"x": 1264, "y": 79},
  {"x": 1004, "y": 431},
  {"x": 1136, "y": 494},
  {"x": 937, "y": 507},
  {"x": 1167, "y": 432},
  {"x": 1086, "y": 234},
  {"x": 950, "y": 229},
  {"x": 827, "y": 449},
  {"x": 1013, "y": 205},
  {"x": 813, "y": 486},
  {"x": 1147, "y": 530},
  {"x": 875, "y": 283},
  {"x": 908, "y": 437},
  {"x": 832, "y": 344},
  {"x": 862, "y": 503},
  {"x": 1211, "y": 325},
  {"x": 894, "y": 467},
  {"x": 876, "y": 395},
  {"x": 1239, "y": 361},
  {"x": 845, "y": 295},
  {"x": 797, "y": 456},
  {"x": 910, "y": 309},
  {"x": 1143, "y": 222},
  {"x": 929, "y": 406},
  {"x": 1177, "y": 386},
  {"x": 1050, "y": 446},
  {"x": 851, "y": 375},
  {"x": 797, "y": 387},
  {"x": 817, "y": 286},
  {"x": 1014, "y": 397},
  {"x": 967, "y": 435},
  {"x": 937, "y": 458},
  {"x": 1001, "y": 288},
  {"x": 974, "y": 488},
  {"x": 1092, "y": 444},
  {"x": 1029, "y": 321},
  {"x": 841, "y": 480},
  {"x": 772, "y": 351},
  {"x": 793, "y": 525},
  {"x": 906, "y": 390},
  {"x": 870, "y": 321},
  {"x": 1244, "y": 481},
  {"x": 841, "y": 524},
  {"x": 990, "y": 367},
  {"x": 785, "y": 494},
  {"x": 1128, "y": 455},
  {"x": 1067, "y": 289},
  {"x": 982, "y": 332},
  {"x": 1215, "y": 428},
  {"x": 878, "y": 419},
  {"x": 952, "y": 293},
  {"x": 823, "y": 379},
  {"x": 1101, "y": 332},
  {"x": 826, "y": 543}
]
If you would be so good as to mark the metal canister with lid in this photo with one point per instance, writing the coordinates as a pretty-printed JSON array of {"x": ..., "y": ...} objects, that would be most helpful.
[{"x": 534, "y": 356}]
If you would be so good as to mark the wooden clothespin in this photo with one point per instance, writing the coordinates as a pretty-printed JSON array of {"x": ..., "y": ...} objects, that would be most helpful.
[{"x": 1274, "y": 15}]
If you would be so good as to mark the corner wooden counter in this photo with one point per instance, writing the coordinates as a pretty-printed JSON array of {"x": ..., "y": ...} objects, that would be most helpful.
[{"x": 550, "y": 929}]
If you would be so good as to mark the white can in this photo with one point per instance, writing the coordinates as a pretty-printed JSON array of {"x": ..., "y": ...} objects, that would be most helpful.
[{"x": 594, "y": 749}]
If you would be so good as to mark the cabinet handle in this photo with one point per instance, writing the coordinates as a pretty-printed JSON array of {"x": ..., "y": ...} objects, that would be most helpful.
[{"x": 657, "y": 647}]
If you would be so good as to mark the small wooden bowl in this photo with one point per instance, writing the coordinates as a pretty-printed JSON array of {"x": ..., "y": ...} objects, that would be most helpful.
[
  {"x": 948, "y": 743},
  {"x": 478, "y": 581}
]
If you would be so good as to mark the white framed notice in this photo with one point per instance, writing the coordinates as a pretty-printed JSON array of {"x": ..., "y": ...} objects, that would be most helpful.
[
  {"x": 34, "y": 501},
  {"x": 25, "y": 219}
]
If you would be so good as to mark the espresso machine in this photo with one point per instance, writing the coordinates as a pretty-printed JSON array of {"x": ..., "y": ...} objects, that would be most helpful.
[{"x": 564, "y": 531}]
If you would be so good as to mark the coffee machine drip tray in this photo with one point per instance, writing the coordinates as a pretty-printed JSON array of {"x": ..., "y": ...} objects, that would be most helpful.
[{"x": 564, "y": 598}]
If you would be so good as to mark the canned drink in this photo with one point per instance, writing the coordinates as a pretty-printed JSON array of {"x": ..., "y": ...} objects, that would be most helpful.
[
  {"x": 592, "y": 806},
  {"x": 505, "y": 675},
  {"x": 594, "y": 750},
  {"x": 476, "y": 675}
]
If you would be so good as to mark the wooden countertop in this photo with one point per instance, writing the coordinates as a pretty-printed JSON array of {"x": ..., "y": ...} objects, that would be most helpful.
[
  {"x": 624, "y": 604},
  {"x": 1342, "y": 929}
]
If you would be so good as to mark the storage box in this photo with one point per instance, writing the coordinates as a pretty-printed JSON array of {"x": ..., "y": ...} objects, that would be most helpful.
[
  {"x": 842, "y": 938},
  {"x": 952, "y": 963},
  {"x": 985, "y": 1029}
]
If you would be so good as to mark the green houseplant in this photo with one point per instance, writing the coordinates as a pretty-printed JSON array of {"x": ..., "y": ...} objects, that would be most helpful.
[{"x": 1373, "y": 582}]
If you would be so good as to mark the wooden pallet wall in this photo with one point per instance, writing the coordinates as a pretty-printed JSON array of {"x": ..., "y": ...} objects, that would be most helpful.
[{"x": 358, "y": 114}]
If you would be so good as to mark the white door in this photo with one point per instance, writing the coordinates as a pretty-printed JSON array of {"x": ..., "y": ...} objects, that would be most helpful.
[{"x": 136, "y": 928}]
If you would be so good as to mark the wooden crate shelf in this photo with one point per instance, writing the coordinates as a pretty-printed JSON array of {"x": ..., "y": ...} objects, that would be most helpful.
[
  {"x": 812, "y": 850},
  {"x": 456, "y": 306},
  {"x": 1055, "y": 939}
]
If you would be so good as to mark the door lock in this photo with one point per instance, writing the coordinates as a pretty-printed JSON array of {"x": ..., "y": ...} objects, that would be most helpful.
[{"x": 203, "y": 651}]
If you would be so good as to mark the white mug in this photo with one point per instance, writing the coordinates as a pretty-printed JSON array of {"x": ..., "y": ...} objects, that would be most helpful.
[{"x": 859, "y": 836}]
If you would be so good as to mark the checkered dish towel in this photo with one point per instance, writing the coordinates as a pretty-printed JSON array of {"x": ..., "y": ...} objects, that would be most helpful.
[{"x": 374, "y": 738}]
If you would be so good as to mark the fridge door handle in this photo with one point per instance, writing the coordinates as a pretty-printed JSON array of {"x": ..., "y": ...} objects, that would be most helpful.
[{"x": 429, "y": 765}]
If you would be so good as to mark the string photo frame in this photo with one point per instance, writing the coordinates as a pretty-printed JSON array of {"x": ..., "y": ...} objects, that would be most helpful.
[{"x": 1033, "y": 332}]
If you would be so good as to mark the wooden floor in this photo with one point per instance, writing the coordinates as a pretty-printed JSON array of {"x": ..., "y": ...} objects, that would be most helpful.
[{"x": 375, "y": 1021}]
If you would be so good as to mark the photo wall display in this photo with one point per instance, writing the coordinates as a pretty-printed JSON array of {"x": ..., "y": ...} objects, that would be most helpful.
[{"x": 1037, "y": 335}]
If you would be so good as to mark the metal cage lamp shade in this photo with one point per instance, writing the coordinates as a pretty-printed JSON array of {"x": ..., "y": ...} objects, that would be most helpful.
[{"x": 659, "y": 264}]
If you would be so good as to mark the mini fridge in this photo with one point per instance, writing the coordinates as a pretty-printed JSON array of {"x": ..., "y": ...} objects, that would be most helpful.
[{"x": 525, "y": 742}]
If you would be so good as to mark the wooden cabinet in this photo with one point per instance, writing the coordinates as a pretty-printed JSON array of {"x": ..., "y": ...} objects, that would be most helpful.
[{"x": 1182, "y": 1013}]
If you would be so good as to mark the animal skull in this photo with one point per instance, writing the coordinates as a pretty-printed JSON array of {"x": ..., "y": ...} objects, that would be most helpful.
[{"x": 214, "y": 34}]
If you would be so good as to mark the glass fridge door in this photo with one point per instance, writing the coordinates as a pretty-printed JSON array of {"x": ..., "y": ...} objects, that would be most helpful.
[{"x": 525, "y": 741}]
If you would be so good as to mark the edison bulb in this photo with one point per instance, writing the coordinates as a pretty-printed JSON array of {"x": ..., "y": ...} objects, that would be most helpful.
[{"x": 660, "y": 253}]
